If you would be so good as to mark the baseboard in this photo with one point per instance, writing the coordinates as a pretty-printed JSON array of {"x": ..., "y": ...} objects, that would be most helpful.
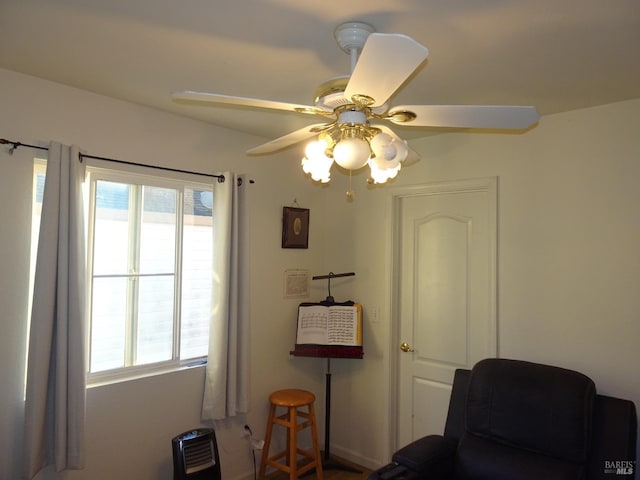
[{"x": 355, "y": 457}]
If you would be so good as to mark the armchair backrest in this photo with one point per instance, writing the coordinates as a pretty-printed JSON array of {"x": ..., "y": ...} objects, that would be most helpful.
[
  {"x": 539, "y": 408},
  {"x": 584, "y": 427}
]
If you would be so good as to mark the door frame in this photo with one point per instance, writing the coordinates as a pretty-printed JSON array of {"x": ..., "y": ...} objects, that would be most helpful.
[{"x": 484, "y": 184}]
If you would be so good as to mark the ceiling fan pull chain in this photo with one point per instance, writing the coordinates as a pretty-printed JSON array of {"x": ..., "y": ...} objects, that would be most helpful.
[{"x": 350, "y": 194}]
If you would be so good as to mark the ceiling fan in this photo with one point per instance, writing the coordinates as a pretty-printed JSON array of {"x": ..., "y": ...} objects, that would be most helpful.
[{"x": 357, "y": 108}]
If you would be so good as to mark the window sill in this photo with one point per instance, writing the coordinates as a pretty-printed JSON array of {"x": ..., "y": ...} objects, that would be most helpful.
[{"x": 110, "y": 378}]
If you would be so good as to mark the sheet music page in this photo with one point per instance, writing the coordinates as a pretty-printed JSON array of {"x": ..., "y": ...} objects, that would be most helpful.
[
  {"x": 342, "y": 325},
  {"x": 312, "y": 324}
]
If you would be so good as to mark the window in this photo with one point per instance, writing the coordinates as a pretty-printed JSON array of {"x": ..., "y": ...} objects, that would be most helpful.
[
  {"x": 150, "y": 271},
  {"x": 39, "y": 171}
]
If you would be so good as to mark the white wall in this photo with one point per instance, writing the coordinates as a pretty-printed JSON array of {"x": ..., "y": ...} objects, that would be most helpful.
[
  {"x": 569, "y": 257},
  {"x": 569, "y": 266},
  {"x": 130, "y": 425}
]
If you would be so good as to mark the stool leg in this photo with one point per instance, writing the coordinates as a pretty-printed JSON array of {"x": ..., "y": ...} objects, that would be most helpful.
[
  {"x": 267, "y": 442},
  {"x": 293, "y": 443},
  {"x": 314, "y": 440}
]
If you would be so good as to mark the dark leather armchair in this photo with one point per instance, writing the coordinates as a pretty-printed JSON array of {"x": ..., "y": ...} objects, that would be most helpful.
[{"x": 510, "y": 419}]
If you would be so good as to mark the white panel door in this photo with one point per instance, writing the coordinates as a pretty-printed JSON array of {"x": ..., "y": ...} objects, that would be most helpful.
[{"x": 445, "y": 295}]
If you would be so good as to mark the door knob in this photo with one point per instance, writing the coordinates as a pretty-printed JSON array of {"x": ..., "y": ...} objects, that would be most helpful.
[{"x": 405, "y": 347}]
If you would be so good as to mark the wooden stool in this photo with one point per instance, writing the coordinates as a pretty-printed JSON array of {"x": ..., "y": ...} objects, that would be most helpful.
[{"x": 292, "y": 400}]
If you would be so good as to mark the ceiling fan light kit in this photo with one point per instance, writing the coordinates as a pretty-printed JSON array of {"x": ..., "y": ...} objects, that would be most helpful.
[{"x": 358, "y": 106}]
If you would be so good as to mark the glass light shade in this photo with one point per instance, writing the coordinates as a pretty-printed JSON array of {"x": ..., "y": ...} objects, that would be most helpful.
[
  {"x": 316, "y": 163},
  {"x": 351, "y": 153},
  {"x": 382, "y": 146},
  {"x": 402, "y": 149},
  {"x": 388, "y": 148},
  {"x": 382, "y": 175},
  {"x": 327, "y": 139},
  {"x": 384, "y": 163},
  {"x": 316, "y": 149},
  {"x": 319, "y": 170}
]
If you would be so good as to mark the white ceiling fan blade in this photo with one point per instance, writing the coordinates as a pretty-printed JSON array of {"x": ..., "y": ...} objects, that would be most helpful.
[
  {"x": 412, "y": 155},
  {"x": 287, "y": 140},
  {"x": 465, "y": 116},
  {"x": 215, "y": 98},
  {"x": 386, "y": 61}
]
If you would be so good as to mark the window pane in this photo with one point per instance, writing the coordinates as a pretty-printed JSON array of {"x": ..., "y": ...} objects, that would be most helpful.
[
  {"x": 111, "y": 238},
  {"x": 108, "y": 323},
  {"x": 158, "y": 230},
  {"x": 197, "y": 276},
  {"x": 144, "y": 253},
  {"x": 39, "y": 190},
  {"x": 155, "y": 319}
]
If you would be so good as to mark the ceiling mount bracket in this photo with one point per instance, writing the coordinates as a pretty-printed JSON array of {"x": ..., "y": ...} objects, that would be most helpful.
[{"x": 352, "y": 35}]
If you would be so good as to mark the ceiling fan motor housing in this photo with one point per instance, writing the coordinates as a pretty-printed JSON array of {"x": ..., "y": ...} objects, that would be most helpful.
[
  {"x": 352, "y": 117},
  {"x": 330, "y": 95}
]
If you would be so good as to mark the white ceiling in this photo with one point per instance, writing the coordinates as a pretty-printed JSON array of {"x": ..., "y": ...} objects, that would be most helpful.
[{"x": 556, "y": 55}]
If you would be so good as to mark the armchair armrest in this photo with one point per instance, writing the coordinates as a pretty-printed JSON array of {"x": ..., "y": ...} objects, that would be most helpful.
[{"x": 431, "y": 456}]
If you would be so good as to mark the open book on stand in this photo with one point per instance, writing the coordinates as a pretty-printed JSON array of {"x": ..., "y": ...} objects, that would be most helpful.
[{"x": 334, "y": 325}]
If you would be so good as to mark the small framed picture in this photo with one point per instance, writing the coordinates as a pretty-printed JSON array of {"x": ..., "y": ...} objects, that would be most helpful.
[{"x": 295, "y": 227}]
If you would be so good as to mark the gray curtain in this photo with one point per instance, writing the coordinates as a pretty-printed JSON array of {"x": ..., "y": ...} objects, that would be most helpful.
[
  {"x": 56, "y": 370},
  {"x": 226, "y": 389}
]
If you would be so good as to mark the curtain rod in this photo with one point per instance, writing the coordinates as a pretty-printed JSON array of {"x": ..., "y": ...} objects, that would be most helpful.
[{"x": 82, "y": 156}]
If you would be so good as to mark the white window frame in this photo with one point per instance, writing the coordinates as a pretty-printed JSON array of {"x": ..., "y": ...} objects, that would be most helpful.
[
  {"x": 140, "y": 176},
  {"x": 130, "y": 174}
]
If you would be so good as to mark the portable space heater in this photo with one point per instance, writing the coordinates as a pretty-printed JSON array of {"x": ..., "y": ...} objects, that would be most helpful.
[{"x": 195, "y": 455}]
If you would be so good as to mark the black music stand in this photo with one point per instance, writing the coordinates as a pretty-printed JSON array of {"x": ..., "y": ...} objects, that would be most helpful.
[{"x": 329, "y": 352}]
